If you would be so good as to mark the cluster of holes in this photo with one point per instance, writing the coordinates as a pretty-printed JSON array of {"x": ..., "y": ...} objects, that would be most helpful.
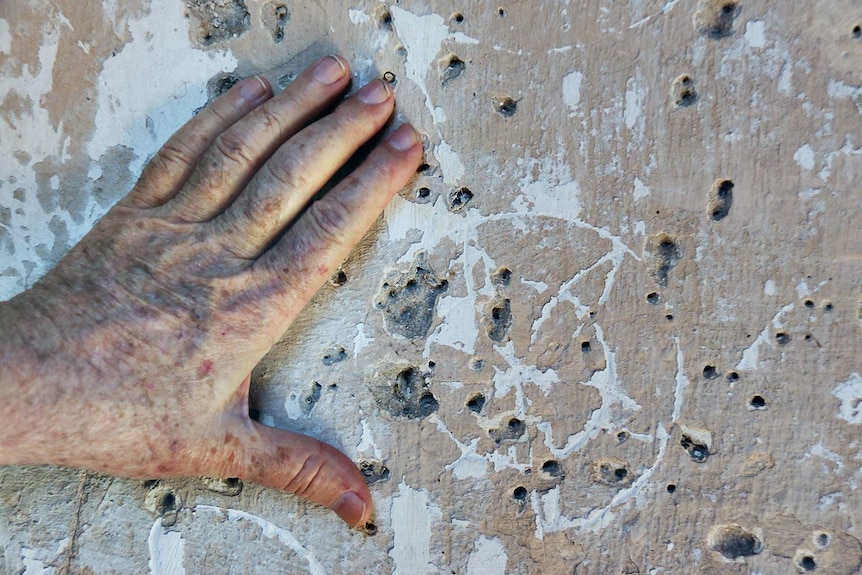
[{"x": 685, "y": 93}]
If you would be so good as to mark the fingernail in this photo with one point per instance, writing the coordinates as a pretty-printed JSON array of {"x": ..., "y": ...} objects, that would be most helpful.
[
  {"x": 329, "y": 70},
  {"x": 254, "y": 89},
  {"x": 350, "y": 507},
  {"x": 404, "y": 138},
  {"x": 376, "y": 92}
]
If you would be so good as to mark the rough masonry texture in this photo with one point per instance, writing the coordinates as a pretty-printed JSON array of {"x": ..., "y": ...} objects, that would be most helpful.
[{"x": 646, "y": 218}]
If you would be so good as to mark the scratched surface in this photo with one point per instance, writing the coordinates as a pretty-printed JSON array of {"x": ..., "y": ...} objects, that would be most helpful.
[{"x": 638, "y": 233}]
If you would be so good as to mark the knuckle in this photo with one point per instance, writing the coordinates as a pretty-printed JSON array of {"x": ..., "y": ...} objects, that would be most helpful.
[
  {"x": 287, "y": 173},
  {"x": 174, "y": 154},
  {"x": 327, "y": 219},
  {"x": 272, "y": 121},
  {"x": 233, "y": 148}
]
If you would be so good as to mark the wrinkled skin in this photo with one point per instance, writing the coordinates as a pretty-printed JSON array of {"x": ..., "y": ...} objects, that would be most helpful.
[{"x": 132, "y": 357}]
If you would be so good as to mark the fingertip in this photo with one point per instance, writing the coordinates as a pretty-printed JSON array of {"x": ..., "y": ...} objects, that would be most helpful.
[
  {"x": 404, "y": 139},
  {"x": 255, "y": 90},
  {"x": 353, "y": 509}
]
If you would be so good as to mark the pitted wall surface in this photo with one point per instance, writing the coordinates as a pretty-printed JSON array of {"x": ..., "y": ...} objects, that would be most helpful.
[{"x": 612, "y": 326}]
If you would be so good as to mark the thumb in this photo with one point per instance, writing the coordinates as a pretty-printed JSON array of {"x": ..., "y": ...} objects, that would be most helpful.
[{"x": 308, "y": 468}]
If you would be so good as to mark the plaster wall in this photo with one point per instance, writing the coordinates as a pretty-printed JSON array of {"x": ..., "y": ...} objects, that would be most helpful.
[{"x": 638, "y": 232}]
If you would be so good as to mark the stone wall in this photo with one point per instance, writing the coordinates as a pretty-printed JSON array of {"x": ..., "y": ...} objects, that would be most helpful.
[{"x": 613, "y": 326}]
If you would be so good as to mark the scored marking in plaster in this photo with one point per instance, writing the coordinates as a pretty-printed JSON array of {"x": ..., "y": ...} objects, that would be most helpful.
[{"x": 166, "y": 545}]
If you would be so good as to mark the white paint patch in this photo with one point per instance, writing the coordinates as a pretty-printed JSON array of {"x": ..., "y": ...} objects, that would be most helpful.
[
  {"x": 358, "y": 16},
  {"x": 769, "y": 288},
  {"x": 540, "y": 286},
  {"x": 489, "y": 558},
  {"x": 804, "y": 157},
  {"x": 785, "y": 80},
  {"x": 802, "y": 289},
  {"x": 682, "y": 382},
  {"x": 366, "y": 442},
  {"x": 850, "y": 394},
  {"x": 640, "y": 190},
  {"x": 360, "y": 340},
  {"x": 450, "y": 163},
  {"x": 412, "y": 516},
  {"x": 640, "y": 228},
  {"x": 821, "y": 451},
  {"x": 166, "y": 550},
  {"x": 751, "y": 355},
  {"x": 5, "y": 37},
  {"x": 634, "y": 104},
  {"x": 572, "y": 91},
  {"x": 423, "y": 37},
  {"x": 839, "y": 89},
  {"x": 159, "y": 75},
  {"x": 754, "y": 33}
]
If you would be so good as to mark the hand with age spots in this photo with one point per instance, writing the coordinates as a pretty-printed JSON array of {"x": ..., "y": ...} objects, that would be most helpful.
[{"x": 133, "y": 356}]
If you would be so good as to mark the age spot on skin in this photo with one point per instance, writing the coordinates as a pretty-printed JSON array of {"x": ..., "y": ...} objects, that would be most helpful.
[{"x": 205, "y": 368}]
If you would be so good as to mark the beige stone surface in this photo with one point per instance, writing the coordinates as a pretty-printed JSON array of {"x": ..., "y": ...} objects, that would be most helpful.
[{"x": 639, "y": 234}]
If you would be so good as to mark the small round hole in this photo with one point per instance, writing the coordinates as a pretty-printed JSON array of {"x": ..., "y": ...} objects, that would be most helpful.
[
  {"x": 857, "y": 32},
  {"x": 782, "y": 338},
  {"x": 710, "y": 372},
  {"x": 551, "y": 467},
  {"x": 808, "y": 304},
  {"x": 622, "y": 436},
  {"x": 520, "y": 493},
  {"x": 458, "y": 17},
  {"x": 423, "y": 192},
  {"x": 621, "y": 473},
  {"x": 669, "y": 317},
  {"x": 732, "y": 376},
  {"x": 476, "y": 403},
  {"x": 389, "y": 77},
  {"x": 585, "y": 346},
  {"x": 671, "y": 488},
  {"x": 727, "y": 9},
  {"x": 827, "y": 305},
  {"x": 757, "y": 402},
  {"x": 808, "y": 563},
  {"x": 502, "y": 12},
  {"x": 652, "y": 298}
]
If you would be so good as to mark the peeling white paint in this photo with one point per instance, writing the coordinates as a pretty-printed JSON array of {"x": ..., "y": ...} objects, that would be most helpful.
[
  {"x": 366, "y": 442},
  {"x": 361, "y": 340},
  {"x": 5, "y": 37},
  {"x": 162, "y": 59},
  {"x": 821, "y": 451},
  {"x": 358, "y": 16},
  {"x": 572, "y": 91},
  {"x": 166, "y": 550},
  {"x": 412, "y": 515},
  {"x": 488, "y": 558},
  {"x": 785, "y": 80},
  {"x": 850, "y": 395},
  {"x": 634, "y": 105},
  {"x": 769, "y": 288},
  {"x": 751, "y": 354},
  {"x": 640, "y": 190},
  {"x": 804, "y": 157},
  {"x": 450, "y": 163},
  {"x": 423, "y": 37},
  {"x": 754, "y": 33}
]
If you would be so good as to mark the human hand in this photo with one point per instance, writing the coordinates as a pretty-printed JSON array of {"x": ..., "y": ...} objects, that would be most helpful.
[{"x": 133, "y": 356}]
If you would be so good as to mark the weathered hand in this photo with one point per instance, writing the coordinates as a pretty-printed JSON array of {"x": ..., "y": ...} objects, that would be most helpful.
[{"x": 132, "y": 357}]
